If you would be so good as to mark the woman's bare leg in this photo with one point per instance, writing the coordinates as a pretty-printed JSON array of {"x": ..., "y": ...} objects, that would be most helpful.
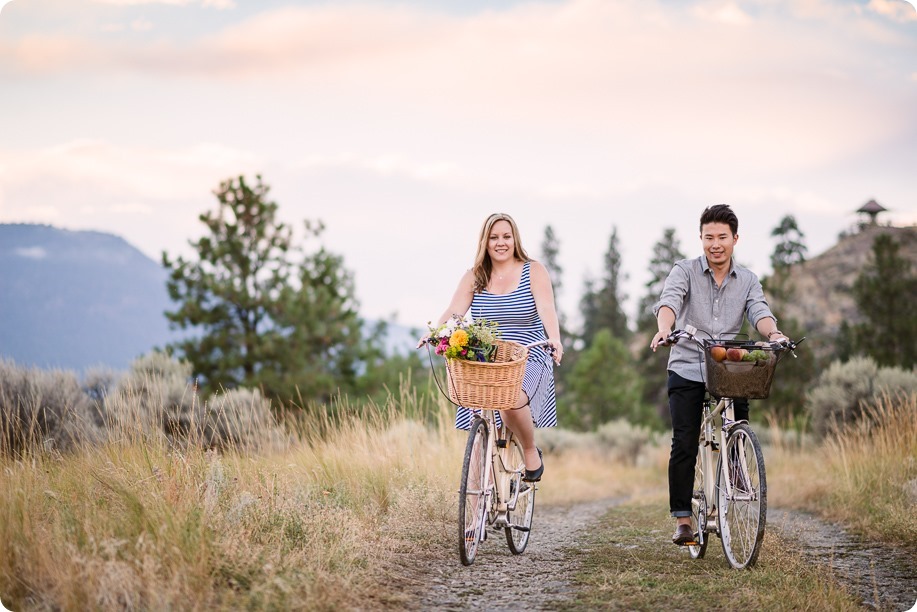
[{"x": 520, "y": 423}]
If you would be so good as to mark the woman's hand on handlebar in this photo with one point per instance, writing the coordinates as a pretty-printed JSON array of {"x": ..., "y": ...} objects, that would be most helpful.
[
  {"x": 424, "y": 340},
  {"x": 556, "y": 348}
]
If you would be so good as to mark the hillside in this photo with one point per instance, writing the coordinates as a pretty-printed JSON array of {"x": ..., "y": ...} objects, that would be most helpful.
[
  {"x": 78, "y": 299},
  {"x": 823, "y": 285}
]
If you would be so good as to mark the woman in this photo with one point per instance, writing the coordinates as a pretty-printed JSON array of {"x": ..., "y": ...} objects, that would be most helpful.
[{"x": 508, "y": 287}]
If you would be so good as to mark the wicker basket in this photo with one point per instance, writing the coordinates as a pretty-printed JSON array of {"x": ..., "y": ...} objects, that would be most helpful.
[
  {"x": 740, "y": 379},
  {"x": 488, "y": 386}
]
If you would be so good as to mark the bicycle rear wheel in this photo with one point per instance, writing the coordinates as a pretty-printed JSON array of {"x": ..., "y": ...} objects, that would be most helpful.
[
  {"x": 742, "y": 508},
  {"x": 472, "y": 494},
  {"x": 699, "y": 509},
  {"x": 520, "y": 514}
]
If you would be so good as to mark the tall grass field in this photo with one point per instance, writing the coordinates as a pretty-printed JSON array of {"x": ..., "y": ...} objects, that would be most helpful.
[{"x": 228, "y": 506}]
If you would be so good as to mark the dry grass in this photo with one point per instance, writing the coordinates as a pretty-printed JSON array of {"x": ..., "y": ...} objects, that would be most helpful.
[
  {"x": 628, "y": 564},
  {"x": 336, "y": 512},
  {"x": 328, "y": 519},
  {"x": 864, "y": 476}
]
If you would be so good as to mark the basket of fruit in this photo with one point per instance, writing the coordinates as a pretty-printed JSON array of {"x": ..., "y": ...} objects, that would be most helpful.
[{"x": 739, "y": 368}]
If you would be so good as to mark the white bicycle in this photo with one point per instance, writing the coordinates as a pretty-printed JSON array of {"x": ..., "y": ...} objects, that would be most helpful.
[{"x": 729, "y": 496}]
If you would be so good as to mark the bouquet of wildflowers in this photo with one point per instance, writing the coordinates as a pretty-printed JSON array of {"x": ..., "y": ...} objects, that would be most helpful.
[{"x": 458, "y": 338}]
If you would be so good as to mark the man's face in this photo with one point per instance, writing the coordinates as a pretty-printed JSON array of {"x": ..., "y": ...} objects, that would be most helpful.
[{"x": 718, "y": 241}]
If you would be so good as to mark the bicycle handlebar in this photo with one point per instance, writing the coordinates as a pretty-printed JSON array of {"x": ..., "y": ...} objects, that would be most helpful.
[
  {"x": 690, "y": 333},
  {"x": 538, "y": 343}
]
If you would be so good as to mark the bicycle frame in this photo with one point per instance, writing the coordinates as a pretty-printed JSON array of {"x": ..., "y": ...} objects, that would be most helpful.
[
  {"x": 498, "y": 501},
  {"x": 714, "y": 439}
]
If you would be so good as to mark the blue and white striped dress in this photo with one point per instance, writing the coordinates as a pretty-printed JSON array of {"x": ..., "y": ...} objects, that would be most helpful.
[{"x": 519, "y": 322}]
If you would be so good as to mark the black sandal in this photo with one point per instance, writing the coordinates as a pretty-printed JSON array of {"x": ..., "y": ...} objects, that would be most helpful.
[{"x": 535, "y": 475}]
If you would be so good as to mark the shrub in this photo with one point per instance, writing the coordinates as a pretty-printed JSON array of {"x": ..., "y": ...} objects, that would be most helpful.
[
  {"x": 41, "y": 409},
  {"x": 242, "y": 419},
  {"x": 845, "y": 390}
]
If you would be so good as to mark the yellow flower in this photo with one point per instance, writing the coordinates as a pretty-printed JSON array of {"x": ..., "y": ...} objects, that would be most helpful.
[{"x": 458, "y": 338}]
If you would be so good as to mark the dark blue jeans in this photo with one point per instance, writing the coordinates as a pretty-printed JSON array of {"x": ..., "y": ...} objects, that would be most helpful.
[{"x": 686, "y": 403}]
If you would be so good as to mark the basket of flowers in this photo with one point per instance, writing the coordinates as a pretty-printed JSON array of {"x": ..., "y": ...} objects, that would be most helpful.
[
  {"x": 739, "y": 368},
  {"x": 484, "y": 372}
]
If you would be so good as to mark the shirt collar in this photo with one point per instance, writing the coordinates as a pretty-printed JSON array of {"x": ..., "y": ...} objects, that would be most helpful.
[{"x": 706, "y": 266}]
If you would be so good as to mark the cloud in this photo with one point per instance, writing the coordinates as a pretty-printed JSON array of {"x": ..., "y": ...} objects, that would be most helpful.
[
  {"x": 898, "y": 10},
  {"x": 31, "y": 252},
  {"x": 728, "y": 13},
  {"x": 91, "y": 165},
  {"x": 217, "y": 4},
  {"x": 386, "y": 165}
]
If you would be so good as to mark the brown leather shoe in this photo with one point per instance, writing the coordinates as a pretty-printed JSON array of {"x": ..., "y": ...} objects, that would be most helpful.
[{"x": 683, "y": 536}]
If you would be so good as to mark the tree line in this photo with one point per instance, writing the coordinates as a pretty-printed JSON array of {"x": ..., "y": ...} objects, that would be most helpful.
[{"x": 267, "y": 310}]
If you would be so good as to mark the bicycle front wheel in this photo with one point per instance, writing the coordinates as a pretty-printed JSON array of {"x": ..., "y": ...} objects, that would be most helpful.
[
  {"x": 699, "y": 508},
  {"x": 472, "y": 492},
  {"x": 742, "y": 504},
  {"x": 521, "y": 498}
]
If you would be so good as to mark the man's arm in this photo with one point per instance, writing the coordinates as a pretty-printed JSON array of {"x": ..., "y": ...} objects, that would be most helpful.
[
  {"x": 757, "y": 310},
  {"x": 665, "y": 320},
  {"x": 767, "y": 327}
]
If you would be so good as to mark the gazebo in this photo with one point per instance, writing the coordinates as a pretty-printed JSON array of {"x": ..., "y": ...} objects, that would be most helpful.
[{"x": 871, "y": 208}]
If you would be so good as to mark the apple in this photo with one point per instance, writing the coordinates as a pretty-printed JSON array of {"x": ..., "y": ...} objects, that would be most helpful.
[
  {"x": 718, "y": 352},
  {"x": 735, "y": 354}
]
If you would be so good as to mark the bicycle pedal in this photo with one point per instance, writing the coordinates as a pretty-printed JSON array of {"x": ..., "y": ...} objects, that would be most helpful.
[{"x": 521, "y": 528}]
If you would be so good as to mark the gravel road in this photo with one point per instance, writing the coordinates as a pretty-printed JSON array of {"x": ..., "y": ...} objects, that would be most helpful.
[
  {"x": 544, "y": 568},
  {"x": 884, "y": 577}
]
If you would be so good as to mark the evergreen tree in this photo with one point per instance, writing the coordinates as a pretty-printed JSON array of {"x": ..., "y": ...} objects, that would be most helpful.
[
  {"x": 550, "y": 248},
  {"x": 652, "y": 365},
  {"x": 601, "y": 306},
  {"x": 264, "y": 313},
  {"x": 785, "y": 402},
  {"x": 884, "y": 292},
  {"x": 603, "y": 385},
  {"x": 665, "y": 253},
  {"x": 790, "y": 250}
]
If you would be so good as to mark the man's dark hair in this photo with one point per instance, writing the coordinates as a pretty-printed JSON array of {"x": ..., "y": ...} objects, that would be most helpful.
[{"x": 720, "y": 213}]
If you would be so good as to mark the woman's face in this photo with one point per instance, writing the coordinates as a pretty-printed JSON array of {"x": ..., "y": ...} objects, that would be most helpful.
[{"x": 500, "y": 244}]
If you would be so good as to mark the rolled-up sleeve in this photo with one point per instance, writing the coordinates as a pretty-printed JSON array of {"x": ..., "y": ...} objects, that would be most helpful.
[
  {"x": 756, "y": 307},
  {"x": 674, "y": 291}
]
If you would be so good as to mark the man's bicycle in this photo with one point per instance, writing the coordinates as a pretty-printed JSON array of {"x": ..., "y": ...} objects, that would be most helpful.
[
  {"x": 492, "y": 489},
  {"x": 730, "y": 483}
]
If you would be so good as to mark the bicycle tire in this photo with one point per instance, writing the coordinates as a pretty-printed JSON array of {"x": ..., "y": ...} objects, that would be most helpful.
[
  {"x": 520, "y": 515},
  {"x": 742, "y": 514},
  {"x": 699, "y": 508},
  {"x": 472, "y": 494}
]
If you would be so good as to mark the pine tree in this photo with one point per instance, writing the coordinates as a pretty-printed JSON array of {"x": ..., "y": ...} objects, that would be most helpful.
[
  {"x": 665, "y": 253},
  {"x": 550, "y": 248},
  {"x": 652, "y": 365},
  {"x": 884, "y": 292},
  {"x": 601, "y": 305},
  {"x": 262, "y": 312},
  {"x": 603, "y": 385},
  {"x": 790, "y": 250}
]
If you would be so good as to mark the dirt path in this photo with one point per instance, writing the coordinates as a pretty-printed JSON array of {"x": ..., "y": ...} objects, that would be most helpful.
[
  {"x": 545, "y": 569},
  {"x": 883, "y": 577}
]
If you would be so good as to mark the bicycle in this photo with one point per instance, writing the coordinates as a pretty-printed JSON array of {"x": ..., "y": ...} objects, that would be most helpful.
[
  {"x": 492, "y": 490},
  {"x": 732, "y": 501}
]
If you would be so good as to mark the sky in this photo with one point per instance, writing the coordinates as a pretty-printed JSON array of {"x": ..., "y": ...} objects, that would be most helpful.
[{"x": 402, "y": 125}]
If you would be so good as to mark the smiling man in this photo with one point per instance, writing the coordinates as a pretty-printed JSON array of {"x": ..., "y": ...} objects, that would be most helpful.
[{"x": 713, "y": 293}]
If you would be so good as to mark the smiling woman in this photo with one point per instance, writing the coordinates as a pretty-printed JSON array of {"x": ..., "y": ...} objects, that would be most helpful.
[{"x": 507, "y": 287}]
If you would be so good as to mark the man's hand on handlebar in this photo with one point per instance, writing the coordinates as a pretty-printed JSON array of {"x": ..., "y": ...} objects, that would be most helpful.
[{"x": 662, "y": 338}]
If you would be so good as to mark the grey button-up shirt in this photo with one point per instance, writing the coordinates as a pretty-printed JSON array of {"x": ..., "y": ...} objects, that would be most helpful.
[{"x": 693, "y": 295}]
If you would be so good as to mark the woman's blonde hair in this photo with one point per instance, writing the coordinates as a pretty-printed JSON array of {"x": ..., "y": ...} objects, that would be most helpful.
[{"x": 483, "y": 266}]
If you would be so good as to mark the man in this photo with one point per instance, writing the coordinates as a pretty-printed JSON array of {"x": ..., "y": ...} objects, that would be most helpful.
[{"x": 712, "y": 293}]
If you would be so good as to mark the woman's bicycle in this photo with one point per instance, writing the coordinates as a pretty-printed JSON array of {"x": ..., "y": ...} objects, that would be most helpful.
[
  {"x": 492, "y": 489},
  {"x": 730, "y": 483}
]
